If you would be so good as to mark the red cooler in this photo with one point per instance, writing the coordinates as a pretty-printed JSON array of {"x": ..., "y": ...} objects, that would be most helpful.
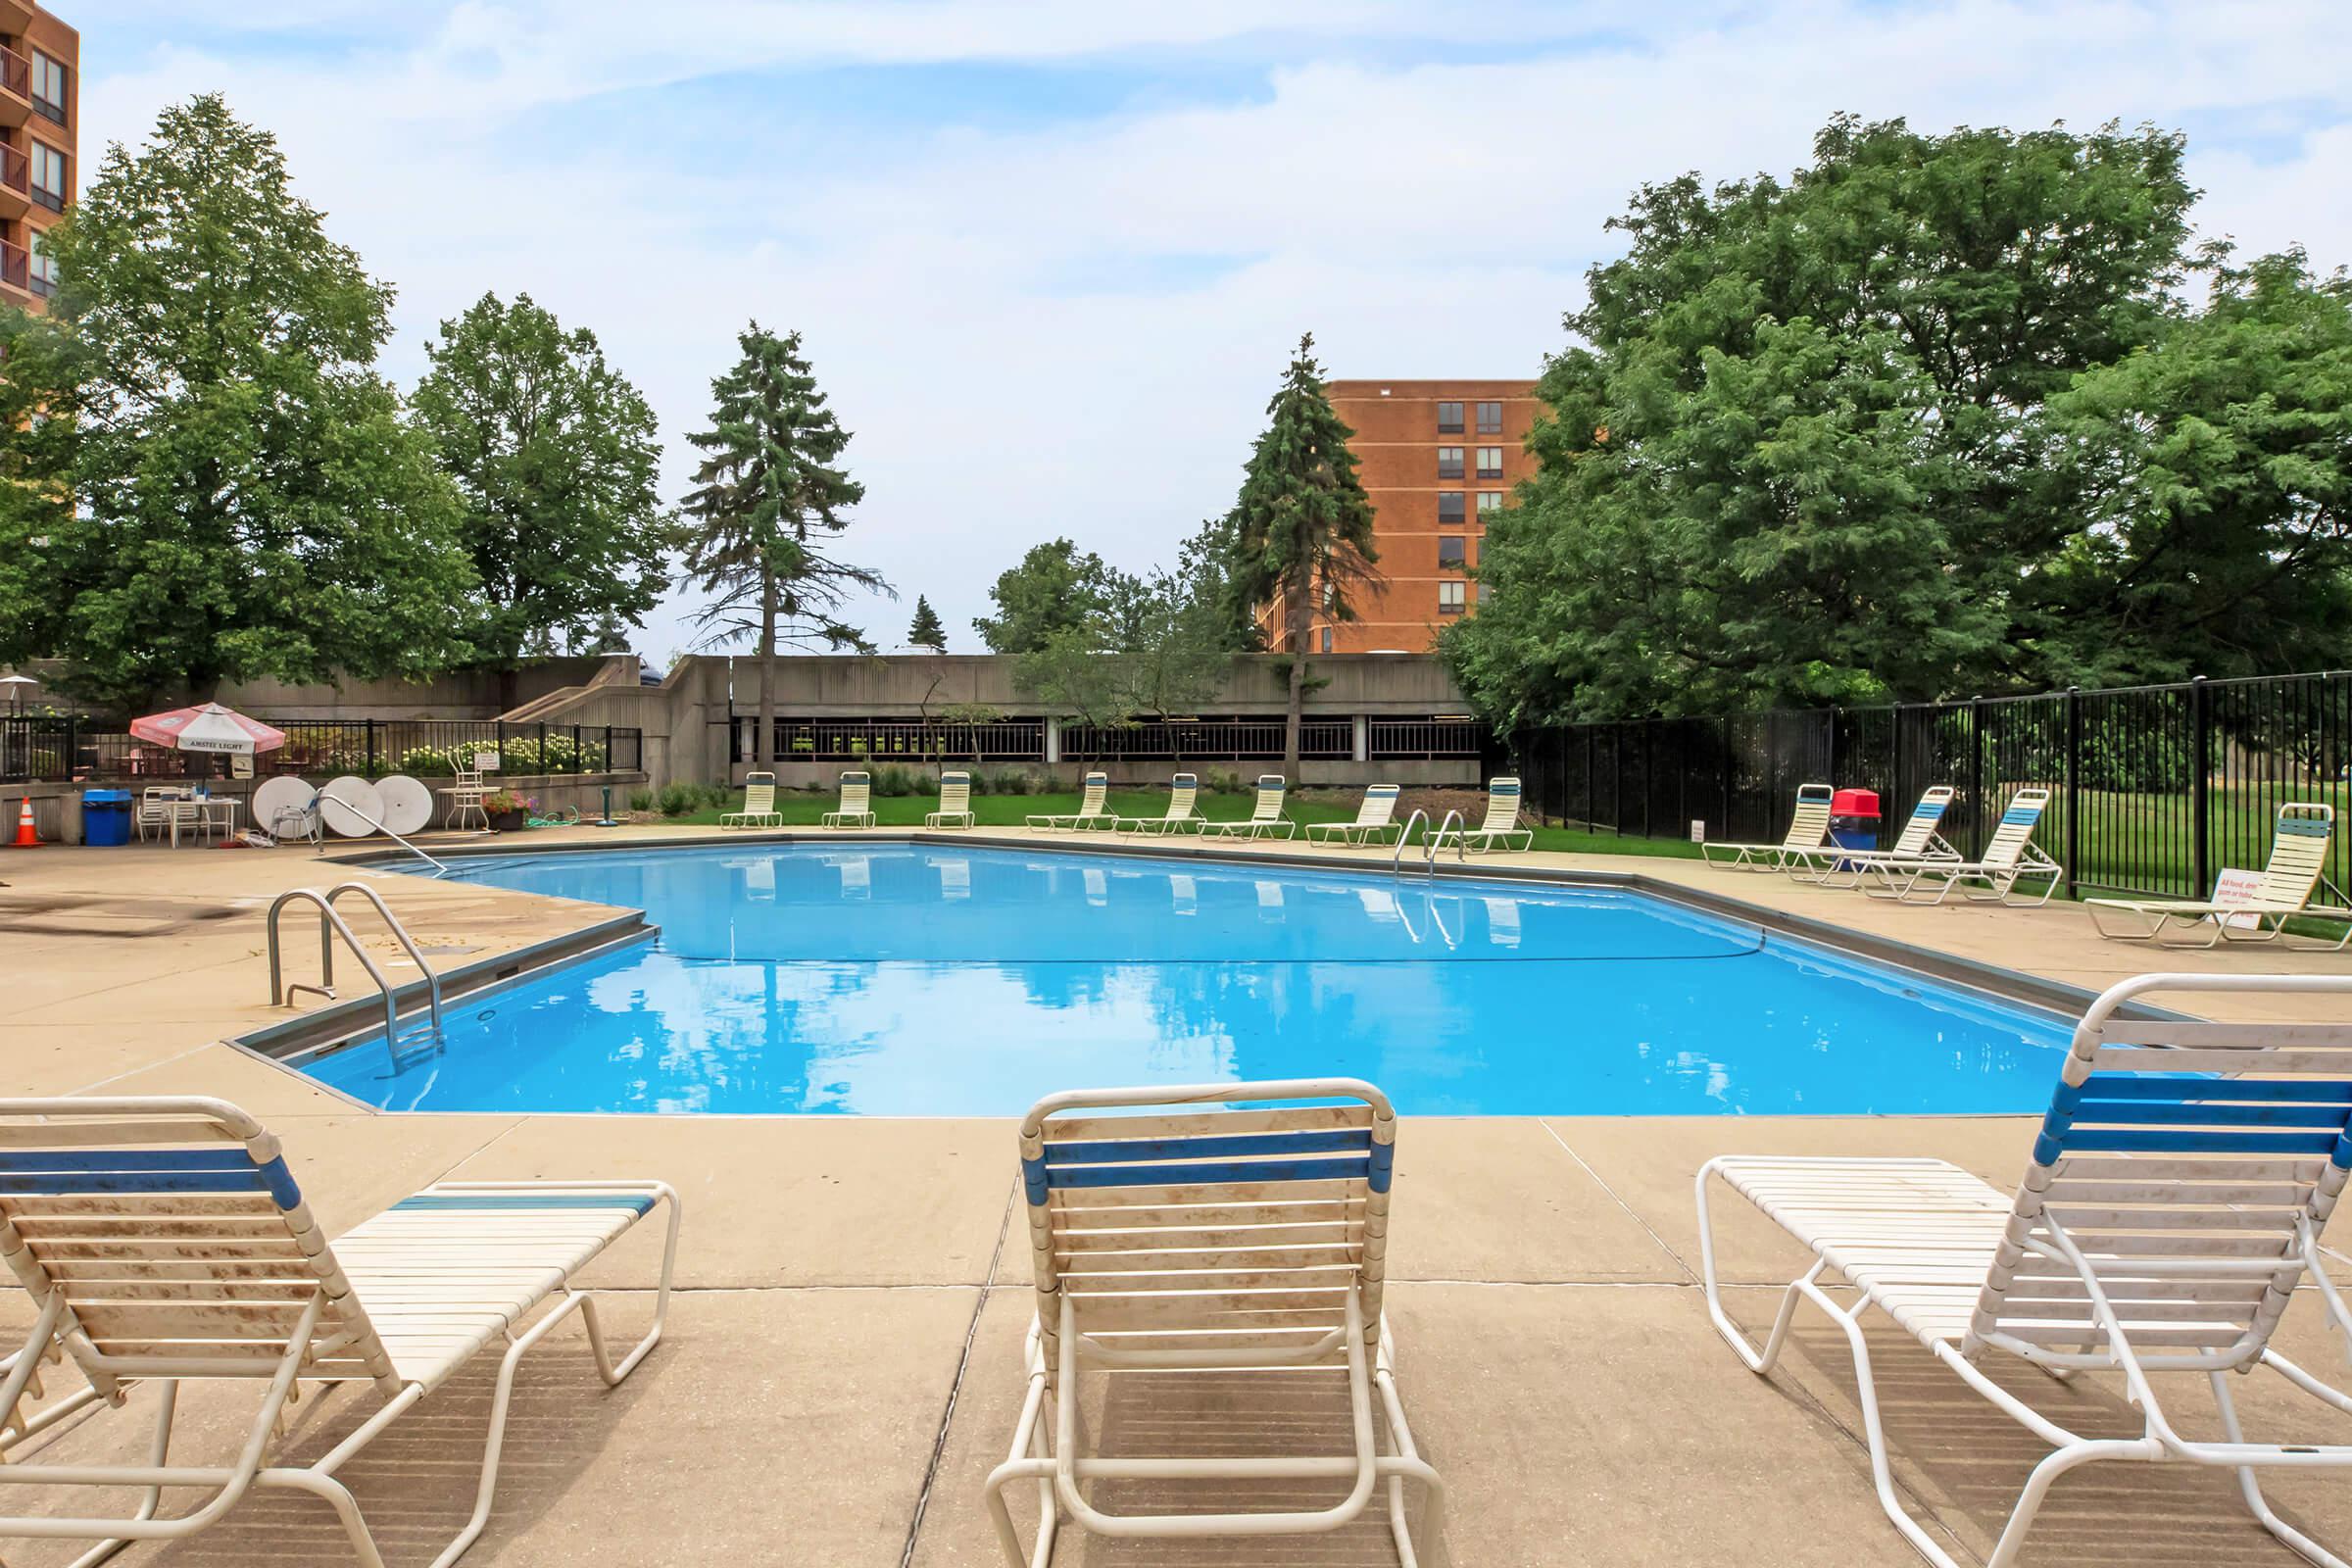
[{"x": 1854, "y": 819}]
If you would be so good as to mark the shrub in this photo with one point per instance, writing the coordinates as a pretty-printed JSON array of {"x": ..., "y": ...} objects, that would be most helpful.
[
  {"x": 520, "y": 754},
  {"x": 641, "y": 800},
  {"x": 677, "y": 799},
  {"x": 716, "y": 796},
  {"x": 1014, "y": 781},
  {"x": 893, "y": 780}
]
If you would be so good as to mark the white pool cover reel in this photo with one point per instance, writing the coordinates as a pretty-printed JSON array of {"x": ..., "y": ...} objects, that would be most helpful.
[{"x": 351, "y": 807}]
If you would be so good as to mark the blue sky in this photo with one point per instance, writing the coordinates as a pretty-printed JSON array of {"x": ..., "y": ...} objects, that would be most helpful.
[{"x": 1049, "y": 258}]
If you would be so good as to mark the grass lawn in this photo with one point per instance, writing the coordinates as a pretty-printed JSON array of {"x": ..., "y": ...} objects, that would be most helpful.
[{"x": 801, "y": 808}]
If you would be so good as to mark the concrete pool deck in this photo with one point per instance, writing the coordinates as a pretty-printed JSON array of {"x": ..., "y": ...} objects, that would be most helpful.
[{"x": 844, "y": 1360}]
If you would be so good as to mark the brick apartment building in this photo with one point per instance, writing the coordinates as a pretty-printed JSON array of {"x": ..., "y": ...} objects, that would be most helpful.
[
  {"x": 40, "y": 90},
  {"x": 1437, "y": 458}
]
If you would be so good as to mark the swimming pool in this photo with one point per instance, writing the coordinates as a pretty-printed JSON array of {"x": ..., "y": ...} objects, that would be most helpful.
[
  {"x": 903, "y": 979},
  {"x": 906, "y": 979}
]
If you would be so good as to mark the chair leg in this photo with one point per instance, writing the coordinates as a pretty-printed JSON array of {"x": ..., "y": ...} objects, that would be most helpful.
[
  {"x": 159, "y": 1449},
  {"x": 2251, "y": 1489}
]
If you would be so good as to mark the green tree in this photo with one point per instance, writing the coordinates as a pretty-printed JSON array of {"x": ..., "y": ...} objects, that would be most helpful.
[
  {"x": 770, "y": 497},
  {"x": 2214, "y": 471},
  {"x": 1056, "y": 588},
  {"x": 246, "y": 500},
  {"x": 558, "y": 459},
  {"x": 927, "y": 630},
  {"x": 1804, "y": 450},
  {"x": 1301, "y": 528}
]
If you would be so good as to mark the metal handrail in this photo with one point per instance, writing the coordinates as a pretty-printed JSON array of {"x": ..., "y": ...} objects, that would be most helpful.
[
  {"x": 330, "y": 923},
  {"x": 1437, "y": 841},
  {"x": 317, "y": 803},
  {"x": 1397, "y": 860}
]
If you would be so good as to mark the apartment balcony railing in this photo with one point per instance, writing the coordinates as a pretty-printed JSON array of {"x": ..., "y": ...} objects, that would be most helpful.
[
  {"x": 16, "y": 266},
  {"x": 16, "y": 180},
  {"x": 16, "y": 81}
]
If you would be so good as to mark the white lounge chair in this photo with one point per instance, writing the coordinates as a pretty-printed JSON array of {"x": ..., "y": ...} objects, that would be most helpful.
[
  {"x": 1217, "y": 1242},
  {"x": 1265, "y": 820},
  {"x": 857, "y": 807},
  {"x": 2297, "y": 870},
  {"x": 1092, "y": 814},
  {"x": 1183, "y": 814},
  {"x": 1375, "y": 819},
  {"x": 2169, "y": 1210},
  {"x": 2011, "y": 857},
  {"x": 163, "y": 1238},
  {"x": 1920, "y": 840},
  {"x": 759, "y": 803},
  {"x": 1808, "y": 830},
  {"x": 1501, "y": 824},
  {"x": 954, "y": 802}
]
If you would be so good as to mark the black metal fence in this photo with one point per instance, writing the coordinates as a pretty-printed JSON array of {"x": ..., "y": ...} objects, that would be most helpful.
[
  {"x": 77, "y": 747},
  {"x": 2154, "y": 789},
  {"x": 1178, "y": 740}
]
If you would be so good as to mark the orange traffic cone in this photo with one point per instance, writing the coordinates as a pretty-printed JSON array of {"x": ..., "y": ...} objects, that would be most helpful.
[{"x": 26, "y": 838}]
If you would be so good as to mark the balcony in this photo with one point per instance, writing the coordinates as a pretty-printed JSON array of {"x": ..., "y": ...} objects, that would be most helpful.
[
  {"x": 16, "y": 182},
  {"x": 16, "y": 268},
  {"x": 16, "y": 85}
]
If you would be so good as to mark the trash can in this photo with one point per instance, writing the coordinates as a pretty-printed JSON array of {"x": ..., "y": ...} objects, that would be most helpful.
[
  {"x": 106, "y": 816},
  {"x": 1854, "y": 819}
]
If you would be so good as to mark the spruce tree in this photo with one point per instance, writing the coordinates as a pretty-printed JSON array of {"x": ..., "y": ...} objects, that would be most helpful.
[
  {"x": 770, "y": 497},
  {"x": 927, "y": 631},
  {"x": 1301, "y": 528}
]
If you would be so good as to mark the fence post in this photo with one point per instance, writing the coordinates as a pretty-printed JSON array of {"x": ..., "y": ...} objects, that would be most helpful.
[
  {"x": 73, "y": 757},
  {"x": 2200, "y": 825},
  {"x": 1975, "y": 777},
  {"x": 1723, "y": 749},
  {"x": 371, "y": 748},
  {"x": 609, "y": 766},
  {"x": 2074, "y": 785},
  {"x": 1649, "y": 771},
  {"x": 498, "y": 741}
]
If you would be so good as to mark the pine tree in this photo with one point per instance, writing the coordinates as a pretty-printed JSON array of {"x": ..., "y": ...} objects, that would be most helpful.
[
  {"x": 1301, "y": 528},
  {"x": 927, "y": 630},
  {"x": 769, "y": 497}
]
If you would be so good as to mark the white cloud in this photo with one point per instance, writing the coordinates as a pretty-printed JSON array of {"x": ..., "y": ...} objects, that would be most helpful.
[{"x": 1072, "y": 326}]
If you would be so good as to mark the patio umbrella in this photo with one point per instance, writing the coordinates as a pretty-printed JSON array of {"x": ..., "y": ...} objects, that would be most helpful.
[
  {"x": 16, "y": 685},
  {"x": 208, "y": 728}
]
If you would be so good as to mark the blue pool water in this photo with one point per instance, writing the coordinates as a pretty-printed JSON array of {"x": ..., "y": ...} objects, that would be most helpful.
[{"x": 916, "y": 980}]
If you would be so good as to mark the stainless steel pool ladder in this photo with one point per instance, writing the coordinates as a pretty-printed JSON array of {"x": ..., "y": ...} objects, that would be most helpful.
[
  {"x": 1397, "y": 860},
  {"x": 331, "y": 924},
  {"x": 1429, "y": 858}
]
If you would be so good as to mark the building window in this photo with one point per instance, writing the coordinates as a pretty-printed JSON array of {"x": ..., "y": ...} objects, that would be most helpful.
[
  {"x": 1450, "y": 505},
  {"x": 1449, "y": 419},
  {"x": 1452, "y": 598},
  {"x": 1327, "y": 639},
  {"x": 1451, "y": 554},
  {"x": 1489, "y": 418},
  {"x": 48, "y": 87},
  {"x": 1449, "y": 462},
  {"x": 1489, "y": 462},
  {"x": 1490, "y": 501},
  {"x": 43, "y": 279},
  {"x": 48, "y": 177}
]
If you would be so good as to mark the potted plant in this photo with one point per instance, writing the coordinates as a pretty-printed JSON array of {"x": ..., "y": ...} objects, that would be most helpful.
[{"x": 508, "y": 810}]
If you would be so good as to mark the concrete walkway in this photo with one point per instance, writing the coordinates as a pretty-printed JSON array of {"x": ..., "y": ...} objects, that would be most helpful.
[{"x": 844, "y": 1361}]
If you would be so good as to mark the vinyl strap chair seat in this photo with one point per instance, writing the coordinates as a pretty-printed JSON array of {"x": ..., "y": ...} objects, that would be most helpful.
[
  {"x": 1920, "y": 840},
  {"x": 2009, "y": 857},
  {"x": 759, "y": 803},
  {"x": 954, "y": 802},
  {"x": 855, "y": 809},
  {"x": 1093, "y": 812}
]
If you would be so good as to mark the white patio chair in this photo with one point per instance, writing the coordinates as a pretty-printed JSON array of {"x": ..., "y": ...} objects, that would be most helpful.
[
  {"x": 1499, "y": 828},
  {"x": 1213, "y": 1241},
  {"x": 1920, "y": 840},
  {"x": 856, "y": 806},
  {"x": 2171, "y": 1206},
  {"x": 2010, "y": 858},
  {"x": 954, "y": 802},
  {"x": 2296, "y": 872},
  {"x": 1265, "y": 820},
  {"x": 1183, "y": 814},
  {"x": 1375, "y": 820},
  {"x": 1808, "y": 830},
  {"x": 1093, "y": 813},
  {"x": 163, "y": 1238},
  {"x": 759, "y": 803}
]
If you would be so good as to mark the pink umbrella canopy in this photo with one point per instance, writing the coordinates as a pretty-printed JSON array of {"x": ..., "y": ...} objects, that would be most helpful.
[{"x": 208, "y": 728}]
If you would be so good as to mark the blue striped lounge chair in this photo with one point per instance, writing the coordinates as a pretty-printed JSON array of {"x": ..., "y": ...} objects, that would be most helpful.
[
  {"x": 2009, "y": 859},
  {"x": 954, "y": 802},
  {"x": 163, "y": 1240},
  {"x": 2296, "y": 872},
  {"x": 2172, "y": 1205},
  {"x": 759, "y": 803},
  {"x": 1265, "y": 818},
  {"x": 1920, "y": 840},
  {"x": 1183, "y": 814},
  {"x": 1808, "y": 830},
  {"x": 1375, "y": 820},
  {"x": 1093, "y": 814},
  {"x": 1498, "y": 830},
  {"x": 1250, "y": 1237},
  {"x": 856, "y": 804}
]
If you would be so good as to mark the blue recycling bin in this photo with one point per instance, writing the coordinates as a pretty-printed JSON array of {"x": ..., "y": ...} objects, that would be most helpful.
[{"x": 106, "y": 816}]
